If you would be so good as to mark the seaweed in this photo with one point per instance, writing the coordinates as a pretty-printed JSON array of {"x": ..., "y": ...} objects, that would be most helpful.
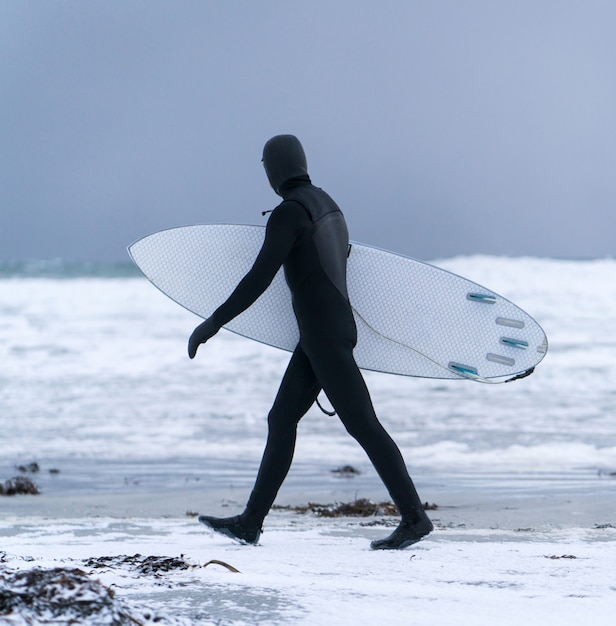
[
  {"x": 152, "y": 565},
  {"x": 48, "y": 595},
  {"x": 359, "y": 508},
  {"x": 30, "y": 468},
  {"x": 149, "y": 565},
  {"x": 346, "y": 471},
  {"x": 19, "y": 485},
  {"x": 554, "y": 557}
]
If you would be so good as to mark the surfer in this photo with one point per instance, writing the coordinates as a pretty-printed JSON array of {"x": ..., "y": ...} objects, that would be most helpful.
[{"x": 307, "y": 235}]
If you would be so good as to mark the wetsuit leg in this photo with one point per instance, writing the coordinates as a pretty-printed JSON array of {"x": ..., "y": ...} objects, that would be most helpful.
[
  {"x": 346, "y": 389},
  {"x": 297, "y": 393}
]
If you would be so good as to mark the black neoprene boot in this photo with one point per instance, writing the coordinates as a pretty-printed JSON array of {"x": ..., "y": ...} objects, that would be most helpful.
[
  {"x": 237, "y": 527},
  {"x": 408, "y": 532}
]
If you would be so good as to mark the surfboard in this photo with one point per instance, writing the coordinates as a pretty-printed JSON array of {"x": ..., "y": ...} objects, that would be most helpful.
[{"x": 413, "y": 318}]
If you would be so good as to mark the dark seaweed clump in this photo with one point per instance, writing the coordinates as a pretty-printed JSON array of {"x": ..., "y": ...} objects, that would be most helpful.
[
  {"x": 346, "y": 471},
  {"x": 23, "y": 485},
  {"x": 66, "y": 594},
  {"x": 359, "y": 508},
  {"x": 30, "y": 468},
  {"x": 149, "y": 565},
  {"x": 555, "y": 557},
  {"x": 19, "y": 485}
]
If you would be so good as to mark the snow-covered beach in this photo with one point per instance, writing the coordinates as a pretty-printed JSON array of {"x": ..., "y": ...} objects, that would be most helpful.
[{"x": 95, "y": 385}]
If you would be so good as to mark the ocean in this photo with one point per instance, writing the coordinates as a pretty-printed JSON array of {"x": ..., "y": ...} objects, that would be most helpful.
[{"x": 96, "y": 386}]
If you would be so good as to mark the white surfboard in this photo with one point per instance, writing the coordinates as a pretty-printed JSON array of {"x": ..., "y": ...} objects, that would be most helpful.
[{"x": 413, "y": 318}]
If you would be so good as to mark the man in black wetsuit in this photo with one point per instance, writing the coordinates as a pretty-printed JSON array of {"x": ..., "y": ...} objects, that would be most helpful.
[{"x": 307, "y": 235}]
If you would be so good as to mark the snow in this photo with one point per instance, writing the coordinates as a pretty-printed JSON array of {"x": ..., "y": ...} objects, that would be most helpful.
[{"x": 308, "y": 572}]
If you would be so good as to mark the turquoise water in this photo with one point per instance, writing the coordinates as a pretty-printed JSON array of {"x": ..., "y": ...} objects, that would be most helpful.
[{"x": 66, "y": 269}]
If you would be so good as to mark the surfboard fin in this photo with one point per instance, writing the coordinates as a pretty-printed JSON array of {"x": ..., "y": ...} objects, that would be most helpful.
[
  {"x": 481, "y": 297},
  {"x": 468, "y": 371},
  {"x": 514, "y": 343}
]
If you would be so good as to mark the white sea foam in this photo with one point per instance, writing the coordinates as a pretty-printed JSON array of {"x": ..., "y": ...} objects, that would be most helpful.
[{"x": 98, "y": 368}]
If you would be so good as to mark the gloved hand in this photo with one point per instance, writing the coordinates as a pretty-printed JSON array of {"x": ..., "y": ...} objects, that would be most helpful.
[{"x": 201, "y": 334}]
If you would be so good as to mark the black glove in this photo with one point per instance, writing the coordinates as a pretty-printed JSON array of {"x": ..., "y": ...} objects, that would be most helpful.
[{"x": 201, "y": 334}]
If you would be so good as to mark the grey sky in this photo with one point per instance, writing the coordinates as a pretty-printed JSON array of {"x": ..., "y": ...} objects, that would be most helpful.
[{"x": 441, "y": 127}]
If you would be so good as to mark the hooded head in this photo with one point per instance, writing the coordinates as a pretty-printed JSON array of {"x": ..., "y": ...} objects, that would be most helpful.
[{"x": 284, "y": 158}]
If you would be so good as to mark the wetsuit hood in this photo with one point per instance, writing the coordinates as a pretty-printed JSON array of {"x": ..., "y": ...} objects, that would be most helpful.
[{"x": 283, "y": 159}]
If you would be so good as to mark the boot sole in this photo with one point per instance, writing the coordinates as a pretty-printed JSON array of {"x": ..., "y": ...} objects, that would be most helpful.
[
  {"x": 228, "y": 533},
  {"x": 381, "y": 544}
]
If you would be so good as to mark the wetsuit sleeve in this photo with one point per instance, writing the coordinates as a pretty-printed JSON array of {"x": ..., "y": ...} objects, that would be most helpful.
[{"x": 283, "y": 229}]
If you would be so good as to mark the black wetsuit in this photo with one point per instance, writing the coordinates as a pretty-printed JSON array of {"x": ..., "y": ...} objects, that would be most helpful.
[{"x": 307, "y": 235}]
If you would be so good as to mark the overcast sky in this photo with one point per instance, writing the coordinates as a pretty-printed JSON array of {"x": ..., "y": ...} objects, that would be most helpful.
[{"x": 441, "y": 127}]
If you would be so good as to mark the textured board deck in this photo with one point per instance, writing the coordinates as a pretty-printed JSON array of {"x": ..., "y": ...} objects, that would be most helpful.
[{"x": 413, "y": 318}]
